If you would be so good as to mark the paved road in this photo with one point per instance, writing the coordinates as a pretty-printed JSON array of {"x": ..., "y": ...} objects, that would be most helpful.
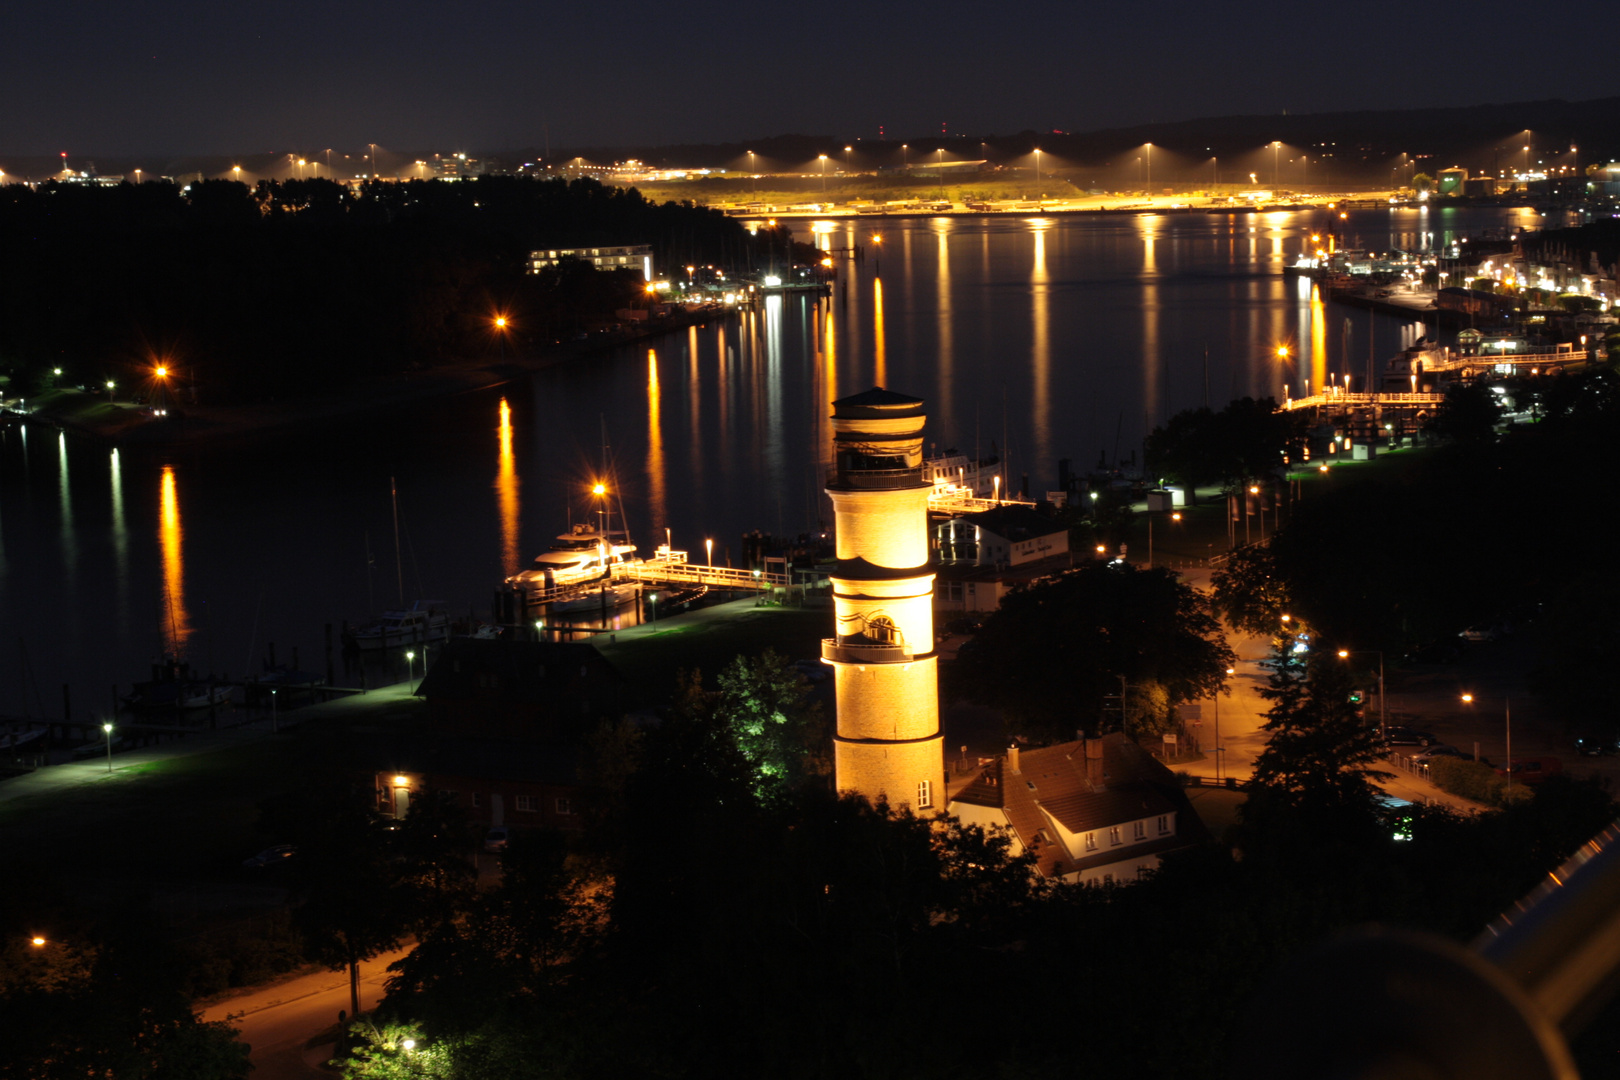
[{"x": 279, "y": 1021}]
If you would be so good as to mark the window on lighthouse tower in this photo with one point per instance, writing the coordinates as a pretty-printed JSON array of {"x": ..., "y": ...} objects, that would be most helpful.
[{"x": 925, "y": 794}]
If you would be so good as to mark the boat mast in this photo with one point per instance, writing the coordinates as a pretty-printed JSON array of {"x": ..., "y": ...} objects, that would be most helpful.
[{"x": 399, "y": 563}]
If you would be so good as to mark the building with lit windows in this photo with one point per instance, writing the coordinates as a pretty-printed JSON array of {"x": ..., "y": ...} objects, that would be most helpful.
[
  {"x": 623, "y": 257},
  {"x": 886, "y": 675},
  {"x": 1097, "y": 811}
]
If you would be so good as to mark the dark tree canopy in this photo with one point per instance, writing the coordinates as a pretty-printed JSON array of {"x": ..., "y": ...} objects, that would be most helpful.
[
  {"x": 1054, "y": 650},
  {"x": 294, "y": 287},
  {"x": 1247, "y": 438}
]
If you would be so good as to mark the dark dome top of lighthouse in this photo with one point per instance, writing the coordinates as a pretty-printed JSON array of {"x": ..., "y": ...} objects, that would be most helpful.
[{"x": 877, "y": 402}]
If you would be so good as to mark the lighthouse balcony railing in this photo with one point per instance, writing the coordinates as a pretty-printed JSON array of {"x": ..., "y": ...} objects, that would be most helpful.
[
  {"x": 847, "y": 652},
  {"x": 876, "y": 479}
]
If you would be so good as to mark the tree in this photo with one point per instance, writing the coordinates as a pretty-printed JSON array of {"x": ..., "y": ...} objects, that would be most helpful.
[
  {"x": 433, "y": 846},
  {"x": 352, "y": 904},
  {"x": 1249, "y": 591},
  {"x": 1422, "y": 182},
  {"x": 1318, "y": 771},
  {"x": 1054, "y": 650},
  {"x": 1249, "y": 437},
  {"x": 1468, "y": 415},
  {"x": 767, "y": 710}
]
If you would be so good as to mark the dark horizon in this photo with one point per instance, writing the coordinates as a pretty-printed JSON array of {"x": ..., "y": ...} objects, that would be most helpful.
[{"x": 194, "y": 78}]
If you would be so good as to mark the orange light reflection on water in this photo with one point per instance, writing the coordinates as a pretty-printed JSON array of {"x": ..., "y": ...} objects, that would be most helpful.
[
  {"x": 880, "y": 356},
  {"x": 655, "y": 441},
  {"x": 176, "y": 623},
  {"x": 506, "y": 491},
  {"x": 1318, "y": 339}
]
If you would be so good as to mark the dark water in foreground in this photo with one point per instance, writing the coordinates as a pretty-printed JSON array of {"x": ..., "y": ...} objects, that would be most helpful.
[{"x": 1063, "y": 337}]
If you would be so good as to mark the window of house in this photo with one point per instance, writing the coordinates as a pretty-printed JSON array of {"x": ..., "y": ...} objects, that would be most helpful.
[
  {"x": 565, "y": 805},
  {"x": 526, "y": 804},
  {"x": 925, "y": 794},
  {"x": 1091, "y": 841},
  {"x": 1140, "y": 830},
  {"x": 478, "y": 798},
  {"x": 1113, "y": 834},
  {"x": 1164, "y": 825}
]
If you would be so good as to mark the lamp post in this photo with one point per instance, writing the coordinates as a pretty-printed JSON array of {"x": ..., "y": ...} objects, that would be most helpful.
[
  {"x": 824, "y": 174},
  {"x": 500, "y": 333},
  {"x": 1147, "y": 154},
  {"x": 753, "y": 171},
  {"x": 1507, "y": 721},
  {"x": 847, "y": 149},
  {"x": 1383, "y": 709},
  {"x": 410, "y": 665},
  {"x": 107, "y": 729},
  {"x": 1276, "y": 151},
  {"x": 708, "y": 544},
  {"x": 373, "y": 148},
  {"x": 274, "y": 718},
  {"x": 1219, "y": 749},
  {"x": 111, "y": 399},
  {"x": 1037, "y": 166}
]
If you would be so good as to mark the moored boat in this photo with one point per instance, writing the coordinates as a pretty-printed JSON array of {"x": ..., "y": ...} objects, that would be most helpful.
[{"x": 424, "y": 621}]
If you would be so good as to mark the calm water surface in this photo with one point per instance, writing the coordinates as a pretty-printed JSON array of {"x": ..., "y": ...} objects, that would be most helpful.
[{"x": 1050, "y": 338}]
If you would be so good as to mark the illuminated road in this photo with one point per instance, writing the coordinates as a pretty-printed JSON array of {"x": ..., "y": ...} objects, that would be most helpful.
[{"x": 279, "y": 1021}]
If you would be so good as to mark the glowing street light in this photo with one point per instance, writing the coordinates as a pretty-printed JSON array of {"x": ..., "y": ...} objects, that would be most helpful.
[
  {"x": 37, "y": 942},
  {"x": 108, "y": 729},
  {"x": 708, "y": 543},
  {"x": 410, "y": 664},
  {"x": 110, "y": 386},
  {"x": 1383, "y": 712},
  {"x": 824, "y": 174},
  {"x": 753, "y": 171}
]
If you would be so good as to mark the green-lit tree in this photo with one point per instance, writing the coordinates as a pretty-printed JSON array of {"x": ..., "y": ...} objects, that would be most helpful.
[{"x": 767, "y": 709}]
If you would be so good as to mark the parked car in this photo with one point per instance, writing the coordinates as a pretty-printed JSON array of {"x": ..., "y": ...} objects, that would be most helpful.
[
  {"x": 1396, "y": 735},
  {"x": 1480, "y": 633},
  {"x": 1597, "y": 745},
  {"x": 495, "y": 839},
  {"x": 1531, "y": 770},
  {"x": 1433, "y": 653},
  {"x": 1440, "y": 750},
  {"x": 270, "y": 856}
]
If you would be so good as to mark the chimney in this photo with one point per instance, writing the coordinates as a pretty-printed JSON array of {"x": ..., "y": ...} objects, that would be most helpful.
[
  {"x": 1012, "y": 759},
  {"x": 1094, "y": 761}
]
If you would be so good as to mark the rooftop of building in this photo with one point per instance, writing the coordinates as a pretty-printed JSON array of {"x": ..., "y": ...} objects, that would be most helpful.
[{"x": 1085, "y": 786}]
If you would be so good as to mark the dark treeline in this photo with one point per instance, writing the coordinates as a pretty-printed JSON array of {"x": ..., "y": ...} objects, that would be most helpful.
[{"x": 292, "y": 287}]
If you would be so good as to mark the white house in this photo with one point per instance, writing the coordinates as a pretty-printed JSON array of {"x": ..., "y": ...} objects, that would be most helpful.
[{"x": 1096, "y": 811}]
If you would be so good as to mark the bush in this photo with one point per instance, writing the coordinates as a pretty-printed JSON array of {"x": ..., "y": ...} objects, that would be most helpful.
[{"x": 1474, "y": 780}]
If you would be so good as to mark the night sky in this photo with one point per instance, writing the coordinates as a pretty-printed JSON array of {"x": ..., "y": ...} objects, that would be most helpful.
[{"x": 192, "y": 77}]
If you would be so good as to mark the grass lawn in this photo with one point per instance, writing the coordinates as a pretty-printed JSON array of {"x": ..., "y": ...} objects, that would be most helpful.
[
  {"x": 707, "y": 641},
  {"x": 178, "y": 818}
]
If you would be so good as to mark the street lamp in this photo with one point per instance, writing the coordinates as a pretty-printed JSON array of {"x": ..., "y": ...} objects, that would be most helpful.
[
  {"x": 1219, "y": 749},
  {"x": 753, "y": 171},
  {"x": 1037, "y": 166},
  {"x": 708, "y": 543},
  {"x": 846, "y": 159},
  {"x": 1276, "y": 151},
  {"x": 110, "y": 399},
  {"x": 410, "y": 665},
  {"x": 1507, "y": 720},
  {"x": 275, "y": 725},
  {"x": 824, "y": 174},
  {"x": 108, "y": 728},
  {"x": 1383, "y": 710}
]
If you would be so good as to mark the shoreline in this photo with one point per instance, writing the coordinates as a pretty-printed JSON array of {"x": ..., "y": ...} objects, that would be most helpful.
[{"x": 211, "y": 425}]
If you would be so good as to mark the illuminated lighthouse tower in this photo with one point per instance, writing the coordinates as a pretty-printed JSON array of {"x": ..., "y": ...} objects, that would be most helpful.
[{"x": 887, "y": 676}]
